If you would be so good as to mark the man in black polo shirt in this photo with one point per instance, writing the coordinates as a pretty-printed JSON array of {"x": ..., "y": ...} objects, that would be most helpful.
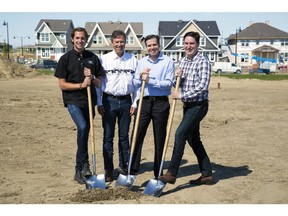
[{"x": 76, "y": 70}]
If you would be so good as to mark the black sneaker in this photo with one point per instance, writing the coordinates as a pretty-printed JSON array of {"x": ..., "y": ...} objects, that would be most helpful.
[
  {"x": 78, "y": 177},
  {"x": 86, "y": 172}
]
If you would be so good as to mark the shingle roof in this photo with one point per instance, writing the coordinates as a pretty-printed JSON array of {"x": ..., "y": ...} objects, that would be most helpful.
[
  {"x": 109, "y": 27},
  {"x": 172, "y": 28},
  {"x": 56, "y": 25},
  {"x": 259, "y": 31}
]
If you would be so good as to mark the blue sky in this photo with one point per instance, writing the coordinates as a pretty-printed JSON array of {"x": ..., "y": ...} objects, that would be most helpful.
[{"x": 22, "y": 22}]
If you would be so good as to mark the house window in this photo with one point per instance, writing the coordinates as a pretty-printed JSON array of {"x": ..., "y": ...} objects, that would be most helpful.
[
  {"x": 202, "y": 41},
  {"x": 257, "y": 42},
  {"x": 244, "y": 43},
  {"x": 179, "y": 41},
  {"x": 285, "y": 57},
  {"x": 45, "y": 52},
  {"x": 212, "y": 57},
  {"x": 271, "y": 42},
  {"x": 97, "y": 39},
  {"x": 130, "y": 40},
  {"x": 284, "y": 42},
  {"x": 45, "y": 37},
  {"x": 62, "y": 36}
]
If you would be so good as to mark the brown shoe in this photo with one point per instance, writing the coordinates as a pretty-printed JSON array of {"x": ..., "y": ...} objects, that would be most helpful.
[
  {"x": 206, "y": 180},
  {"x": 167, "y": 178},
  {"x": 108, "y": 175}
]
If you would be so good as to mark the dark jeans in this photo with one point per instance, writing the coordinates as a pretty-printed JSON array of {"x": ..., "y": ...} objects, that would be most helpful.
[
  {"x": 116, "y": 108},
  {"x": 189, "y": 129},
  {"x": 158, "y": 112},
  {"x": 81, "y": 118}
]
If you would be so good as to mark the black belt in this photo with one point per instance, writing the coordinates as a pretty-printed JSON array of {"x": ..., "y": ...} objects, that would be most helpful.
[
  {"x": 195, "y": 103},
  {"x": 155, "y": 98},
  {"x": 121, "y": 97}
]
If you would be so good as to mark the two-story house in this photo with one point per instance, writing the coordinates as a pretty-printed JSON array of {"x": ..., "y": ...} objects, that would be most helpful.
[
  {"x": 172, "y": 32},
  {"x": 258, "y": 41},
  {"x": 53, "y": 38},
  {"x": 99, "y": 41}
]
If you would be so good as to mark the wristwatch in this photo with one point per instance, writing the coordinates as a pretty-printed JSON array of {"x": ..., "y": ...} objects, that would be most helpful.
[{"x": 92, "y": 77}]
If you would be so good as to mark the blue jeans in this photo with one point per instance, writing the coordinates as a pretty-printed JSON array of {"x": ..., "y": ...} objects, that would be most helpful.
[
  {"x": 81, "y": 118},
  {"x": 189, "y": 129},
  {"x": 116, "y": 109}
]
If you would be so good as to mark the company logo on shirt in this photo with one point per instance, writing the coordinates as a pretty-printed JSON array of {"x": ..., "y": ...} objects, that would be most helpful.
[{"x": 120, "y": 71}]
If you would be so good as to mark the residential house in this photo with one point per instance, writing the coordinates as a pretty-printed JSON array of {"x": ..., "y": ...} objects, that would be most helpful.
[
  {"x": 257, "y": 42},
  {"x": 99, "y": 41},
  {"x": 53, "y": 38},
  {"x": 171, "y": 34}
]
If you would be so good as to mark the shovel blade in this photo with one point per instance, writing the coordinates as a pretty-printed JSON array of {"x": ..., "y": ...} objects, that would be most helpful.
[
  {"x": 126, "y": 181},
  {"x": 96, "y": 181},
  {"x": 154, "y": 188}
]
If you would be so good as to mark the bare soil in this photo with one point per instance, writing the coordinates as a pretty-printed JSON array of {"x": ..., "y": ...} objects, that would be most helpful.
[{"x": 244, "y": 132}]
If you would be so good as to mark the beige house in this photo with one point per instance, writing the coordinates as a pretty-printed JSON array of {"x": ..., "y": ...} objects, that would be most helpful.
[
  {"x": 258, "y": 42},
  {"x": 99, "y": 41}
]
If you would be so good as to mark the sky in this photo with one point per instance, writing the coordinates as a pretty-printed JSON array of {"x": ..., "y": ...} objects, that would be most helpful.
[{"x": 23, "y": 20}]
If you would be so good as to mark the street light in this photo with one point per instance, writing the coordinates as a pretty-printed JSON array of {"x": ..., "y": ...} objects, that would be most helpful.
[
  {"x": 6, "y": 24},
  {"x": 22, "y": 41}
]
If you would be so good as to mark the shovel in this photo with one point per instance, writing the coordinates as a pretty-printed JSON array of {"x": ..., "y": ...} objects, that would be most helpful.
[
  {"x": 129, "y": 179},
  {"x": 155, "y": 187},
  {"x": 93, "y": 181}
]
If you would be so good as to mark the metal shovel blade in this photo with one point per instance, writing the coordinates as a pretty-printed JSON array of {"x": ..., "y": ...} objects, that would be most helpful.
[
  {"x": 154, "y": 188},
  {"x": 124, "y": 180},
  {"x": 96, "y": 181}
]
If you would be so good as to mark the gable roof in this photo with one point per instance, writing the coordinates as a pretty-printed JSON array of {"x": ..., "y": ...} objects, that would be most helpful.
[
  {"x": 108, "y": 27},
  {"x": 56, "y": 25},
  {"x": 259, "y": 31},
  {"x": 172, "y": 28}
]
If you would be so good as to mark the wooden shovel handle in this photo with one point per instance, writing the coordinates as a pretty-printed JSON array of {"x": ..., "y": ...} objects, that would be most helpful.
[
  {"x": 137, "y": 119},
  {"x": 170, "y": 120},
  {"x": 91, "y": 119}
]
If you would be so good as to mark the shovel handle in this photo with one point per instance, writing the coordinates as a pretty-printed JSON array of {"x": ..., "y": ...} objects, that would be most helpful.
[
  {"x": 91, "y": 120},
  {"x": 137, "y": 119},
  {"x": 170, "y": 121}
]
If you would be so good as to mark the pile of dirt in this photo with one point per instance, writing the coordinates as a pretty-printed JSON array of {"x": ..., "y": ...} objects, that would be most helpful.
[
  {"x": 96, "y": 195},
  {"x": 10, "y": 69}
]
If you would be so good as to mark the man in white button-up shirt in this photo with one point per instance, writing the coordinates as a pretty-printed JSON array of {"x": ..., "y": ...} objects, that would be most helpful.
[{"x": 115, "y": 101}]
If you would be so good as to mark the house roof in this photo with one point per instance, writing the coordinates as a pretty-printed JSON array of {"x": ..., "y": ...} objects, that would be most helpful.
[
  {"x": 259, "y": 31},
  {"x": 108, "y": 27},
  {"x": 56, "y": 25},
  {"x": 171, "y": 28}
]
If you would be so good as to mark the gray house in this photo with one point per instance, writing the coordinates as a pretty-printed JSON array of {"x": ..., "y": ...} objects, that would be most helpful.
[
  {"x": 172, "y": 32},
  {"x": 53, "y": 38}
]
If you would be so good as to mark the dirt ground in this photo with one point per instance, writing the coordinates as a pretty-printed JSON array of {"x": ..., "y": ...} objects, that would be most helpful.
[{"x": 244, "y": 132}]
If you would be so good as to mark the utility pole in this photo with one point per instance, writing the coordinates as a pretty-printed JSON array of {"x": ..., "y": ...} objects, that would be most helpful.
[{"x": 6, "y": 24}]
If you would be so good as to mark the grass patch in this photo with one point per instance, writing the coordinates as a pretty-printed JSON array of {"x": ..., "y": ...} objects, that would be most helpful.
[
  {"x": 45, "y": 71},
  {"x": 271, "y": 77}
]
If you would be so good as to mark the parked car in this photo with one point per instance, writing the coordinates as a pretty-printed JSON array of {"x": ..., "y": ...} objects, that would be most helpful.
[{"x": 46, "y": 64}]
